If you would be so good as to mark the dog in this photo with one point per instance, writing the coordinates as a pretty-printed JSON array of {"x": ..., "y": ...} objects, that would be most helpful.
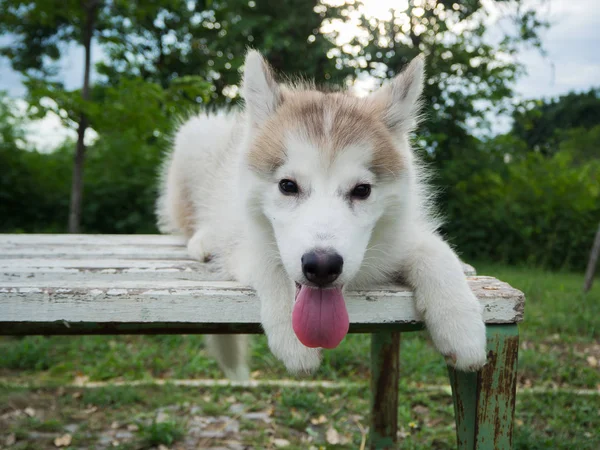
[{"x": 303, "y": 194}]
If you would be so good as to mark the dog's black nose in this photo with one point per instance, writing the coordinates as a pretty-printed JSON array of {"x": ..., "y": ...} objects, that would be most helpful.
[{"x": 322, "y": 267}]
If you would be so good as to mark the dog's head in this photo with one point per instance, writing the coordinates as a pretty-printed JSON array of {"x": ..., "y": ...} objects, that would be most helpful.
[{"x": 328, "y": 165}]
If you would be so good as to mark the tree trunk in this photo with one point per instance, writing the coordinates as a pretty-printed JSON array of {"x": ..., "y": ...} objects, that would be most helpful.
[
  {"x": 591, "y": 267},
  {"x": 90, "y": 7}
]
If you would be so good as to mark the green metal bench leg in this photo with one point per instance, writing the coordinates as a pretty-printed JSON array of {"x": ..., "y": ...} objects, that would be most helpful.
[
  {"x": 484, "y": 402},
  {"x": 385, "y": 365}
]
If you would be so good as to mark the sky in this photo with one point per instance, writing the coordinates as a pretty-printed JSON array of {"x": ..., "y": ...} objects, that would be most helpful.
[{"x": 572, "y": 62}]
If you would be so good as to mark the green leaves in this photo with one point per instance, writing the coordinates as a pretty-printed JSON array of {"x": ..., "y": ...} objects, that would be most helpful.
[
  {"x": 541, "y": 123},
  {"x": 509, "y": 204}
]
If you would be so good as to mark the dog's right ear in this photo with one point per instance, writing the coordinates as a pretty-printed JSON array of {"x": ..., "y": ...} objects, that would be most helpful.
[{"x": 259, "y": 88}]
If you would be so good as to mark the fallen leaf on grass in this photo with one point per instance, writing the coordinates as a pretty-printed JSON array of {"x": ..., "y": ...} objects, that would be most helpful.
[
  {"x": 402, "y": 434},
  {"x": 162, "y": 417},
  {"x": 434, "y": 423},
  {"x": 10, "y": 439},
  {"x": 63, "y": 441},
  {"x": 265, "y": 416},
  {"x": 420, "y": 410},
  {"x": 317, "y": 421},
  {"x": 81, "y": 380},
  {"x": 332, "y": 436},
  {"x": 90, "y": 410}
]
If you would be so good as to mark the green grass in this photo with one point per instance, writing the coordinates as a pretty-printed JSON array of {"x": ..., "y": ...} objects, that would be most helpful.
[
  {"x": 302, "y": 417},
  {"x": 560, "y": 338},
  {"x": 165, "y": 433},
  {"x": 555, "y": 302}
]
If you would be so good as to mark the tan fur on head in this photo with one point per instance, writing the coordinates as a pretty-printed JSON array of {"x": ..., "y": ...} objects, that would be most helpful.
[{"x": 331, "y": 121}]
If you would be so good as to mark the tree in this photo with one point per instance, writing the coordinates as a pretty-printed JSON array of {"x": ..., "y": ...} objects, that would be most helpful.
[
  {"x": 591, "y": 266},
  {"x": 469, "y": 74},
  {"x": 42, "y": 28},
  {"x": 161, "y": 41},
  {"x": 31, "y": 183},
  {"x": 542, "y": 123}
]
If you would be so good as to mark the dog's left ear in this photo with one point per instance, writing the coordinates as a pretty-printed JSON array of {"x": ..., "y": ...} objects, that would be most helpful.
[
  {"x": 399, "y": 100},
  {"x": 259, "y": 88}
]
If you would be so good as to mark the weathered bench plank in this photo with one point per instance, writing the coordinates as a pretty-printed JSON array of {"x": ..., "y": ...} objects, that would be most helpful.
[
  {"x": 89, "y": 239},
  {"x": 113, "y": 269}
]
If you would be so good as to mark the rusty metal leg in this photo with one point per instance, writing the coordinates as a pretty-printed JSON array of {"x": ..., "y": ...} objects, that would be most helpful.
[
  {"x": 484, "y": 402},
  {"x": 385, "y": 365}
]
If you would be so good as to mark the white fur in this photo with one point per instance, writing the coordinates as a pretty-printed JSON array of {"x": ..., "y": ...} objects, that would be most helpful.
[{"x": 257, "y": 235}]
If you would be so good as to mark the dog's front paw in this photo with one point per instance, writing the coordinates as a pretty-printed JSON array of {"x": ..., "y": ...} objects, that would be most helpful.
[
  {"x": 296, "y": 357},
  {"x": 467, "y": 358},
  {"x": 459, "y": 334}
]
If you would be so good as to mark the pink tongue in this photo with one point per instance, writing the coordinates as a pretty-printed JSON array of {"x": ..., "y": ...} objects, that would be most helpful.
[{"x": 320, "y": 318}]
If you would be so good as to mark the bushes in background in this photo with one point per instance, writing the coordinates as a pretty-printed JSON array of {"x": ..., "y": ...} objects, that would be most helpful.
[{"x": 535, "y": 210}]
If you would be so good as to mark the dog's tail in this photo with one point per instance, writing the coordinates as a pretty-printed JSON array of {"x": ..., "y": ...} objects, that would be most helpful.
[{"x": 231, "y": 352}]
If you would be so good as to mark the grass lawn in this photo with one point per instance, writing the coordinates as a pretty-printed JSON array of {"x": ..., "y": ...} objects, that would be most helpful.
[{"x": 560, "y": 347}]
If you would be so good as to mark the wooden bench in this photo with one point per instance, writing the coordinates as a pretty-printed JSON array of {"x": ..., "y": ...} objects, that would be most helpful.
[{"x": 146, "y": 284}]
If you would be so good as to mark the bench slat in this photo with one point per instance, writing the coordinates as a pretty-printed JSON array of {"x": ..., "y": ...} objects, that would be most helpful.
[
  {"x": 38, "y": 269},
  {"x": 88, "y": 239},
  {"x": 124, "y": 251},
  {"x": 209, "y": 302}
]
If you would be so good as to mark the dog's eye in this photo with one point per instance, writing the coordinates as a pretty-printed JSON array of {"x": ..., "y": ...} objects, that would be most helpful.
[
  {"x": 288, "y": 187},
  {"x": 361, "y": 191}
]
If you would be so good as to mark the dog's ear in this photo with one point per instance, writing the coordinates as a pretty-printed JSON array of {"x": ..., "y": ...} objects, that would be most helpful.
[
  {"x": 399, "y": 100},
  {"x": 259, "y": 88}
]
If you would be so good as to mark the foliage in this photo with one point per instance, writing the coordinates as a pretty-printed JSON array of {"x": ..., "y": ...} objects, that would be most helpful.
[
  {"x": 209, "y": 39},
  {"x": 32, "y": 189},
  {"x": 468, "y": 72},
  {"x": 121, "y": 168},
  {"x": 162, "y": 433},
  {"x": 531, "y": 195},
  {"x": 41, "y": 28},
  {"x": 539, "y": 122},
  {"x": 534, "y": 209}
]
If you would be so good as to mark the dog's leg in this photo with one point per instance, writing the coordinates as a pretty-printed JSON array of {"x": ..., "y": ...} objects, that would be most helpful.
[
  {"x": 197, "y": 247},
  {"x": 452, "y": 313},
  {"x": 231, "y": 352},
  {"x": 277, "y": 293}
]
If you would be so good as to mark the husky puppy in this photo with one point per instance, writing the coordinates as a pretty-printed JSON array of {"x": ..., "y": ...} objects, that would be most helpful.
[{"x": 305, "y": 194}]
